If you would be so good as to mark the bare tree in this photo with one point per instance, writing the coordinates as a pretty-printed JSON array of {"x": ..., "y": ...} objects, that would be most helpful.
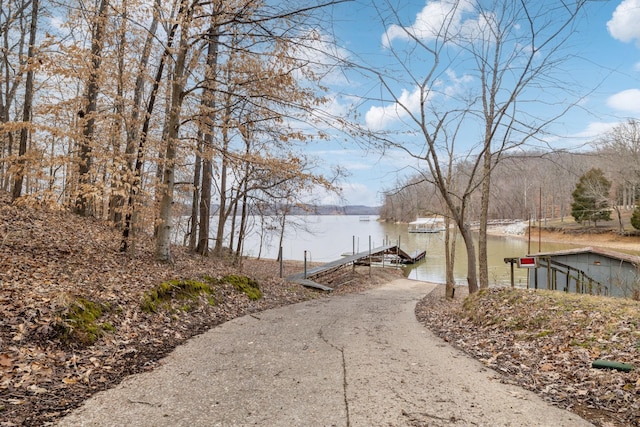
[
  {"x": 90, "y": 110},
  {"x": 178, "y": 82},
  {"x": 28, "y": 100},
  {"x": 508, "y": 53},
  {"x": 14, "y": 63}
]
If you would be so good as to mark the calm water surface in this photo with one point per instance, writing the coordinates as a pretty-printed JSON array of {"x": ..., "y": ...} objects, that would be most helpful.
[{"x": 326, "y": 237}]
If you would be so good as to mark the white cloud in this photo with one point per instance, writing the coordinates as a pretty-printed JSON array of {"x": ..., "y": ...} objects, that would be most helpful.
[
  {"x": 378, "y": 118},
  {"x": 349, "y": 159},
  {"x": 57, "y": 23},
  {"x": 623, "y": 24},
  {"x": 360, "y": 194},
  {"x": 595, "y": 129},
  {"x": 322, "y": 56},
  {"x": 353, "y": 193},
  {"x": 381, "y": 117},
  {"x": 433, "y": 20},
  {"x": 458, "y": 84},
  {"x": 627, "y": 100}
]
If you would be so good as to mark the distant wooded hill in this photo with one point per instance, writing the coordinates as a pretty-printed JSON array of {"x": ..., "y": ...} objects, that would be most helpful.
[
  {"x": 322, "y": 210},
  {"x": 528, "y": 185},
  {"x": 339, "y": 210}
]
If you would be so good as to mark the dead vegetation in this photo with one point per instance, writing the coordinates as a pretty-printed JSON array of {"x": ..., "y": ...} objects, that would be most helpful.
[
  {"x": 546, "y": 342},
  {"x": 77, "y": 316}
]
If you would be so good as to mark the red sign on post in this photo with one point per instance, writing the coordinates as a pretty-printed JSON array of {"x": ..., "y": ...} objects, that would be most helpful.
[{"x": 527, "y": 262}]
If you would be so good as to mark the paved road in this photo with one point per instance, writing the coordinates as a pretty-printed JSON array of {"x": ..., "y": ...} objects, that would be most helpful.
[{"x": 354, "y": 360}]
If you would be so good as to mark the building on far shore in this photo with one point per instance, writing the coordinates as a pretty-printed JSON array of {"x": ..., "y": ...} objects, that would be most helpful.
[{"x": 587, "y": 270}]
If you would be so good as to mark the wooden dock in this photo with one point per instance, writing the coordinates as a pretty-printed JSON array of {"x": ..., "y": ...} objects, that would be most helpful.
[{"x": 308, "y": 278}]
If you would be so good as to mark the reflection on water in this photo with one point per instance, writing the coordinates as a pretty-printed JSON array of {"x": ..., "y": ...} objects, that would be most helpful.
[
  {"x": 326, "y": 237},
  {"x": 499, "y": 248}
]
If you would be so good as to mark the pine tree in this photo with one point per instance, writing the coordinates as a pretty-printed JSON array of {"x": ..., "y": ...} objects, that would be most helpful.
[
  {"x": 591, "y": 198},
  {"x": 635, "y": 217}
]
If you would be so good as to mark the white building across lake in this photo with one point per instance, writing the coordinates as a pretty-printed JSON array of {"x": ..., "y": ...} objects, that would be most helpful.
[{"x": 427, "y": 225}]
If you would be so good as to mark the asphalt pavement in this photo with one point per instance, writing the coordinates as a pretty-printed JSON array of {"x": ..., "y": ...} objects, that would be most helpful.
[{"x": 354, "y": 360}]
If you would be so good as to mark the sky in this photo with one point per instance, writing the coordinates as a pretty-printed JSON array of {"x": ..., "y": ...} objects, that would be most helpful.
[{"x": 601, "y": 72}]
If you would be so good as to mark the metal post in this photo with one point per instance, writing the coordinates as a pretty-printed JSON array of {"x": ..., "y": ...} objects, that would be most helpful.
[
  {"x": 370, "y": 255},
  {"x": 529, "y": 243},
  {"x": 280, "y": 258},
  {"x": 513, "y": 285},
  {"x": 305, "y": 264},
  {"x": 540, "y": 222}
]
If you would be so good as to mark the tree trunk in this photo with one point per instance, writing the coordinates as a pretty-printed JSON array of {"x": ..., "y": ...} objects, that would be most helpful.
[
  {"x": 232, "y": 212},
  {"x": 28, "y": 102},
  {"x": 484, "y": 219},
  {"x": 207, "y": 166},
  {"x": 125, "y": 203},
  {"x": 163, "y": 239},
  {"x": 89, "y": 114},
  {"x": 472, "y": 278},
  {"x": 116, "y": 196},
  {"x": 450, "y": 258},
  {"x": 222, "y": 214},
  {"x": 137, "y": 170},
  {"x": 283, "y": 223},
  {"x": 205, "y": 205},
  {"x": 195, "y": 200},
  {"x": 243, "y": 226}
]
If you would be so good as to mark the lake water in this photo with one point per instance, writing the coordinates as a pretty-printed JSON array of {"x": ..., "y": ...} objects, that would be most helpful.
[{"x": 326, "y": 237}]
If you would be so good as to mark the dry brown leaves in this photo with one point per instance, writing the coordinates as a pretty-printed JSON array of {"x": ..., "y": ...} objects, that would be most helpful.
[
  {"x": 546, "y": 341},
  {"x": 50, "y": 258}
]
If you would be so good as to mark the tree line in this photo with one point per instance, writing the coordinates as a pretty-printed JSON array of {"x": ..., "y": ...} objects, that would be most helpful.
[
  {"x": 124, "y": 110},
  {"x": 588, "y": 185}
]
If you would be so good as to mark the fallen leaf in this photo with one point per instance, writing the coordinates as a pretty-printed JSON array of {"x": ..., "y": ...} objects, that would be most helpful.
[
  {"x": 37, "y": 390},
  {"x": 547, "y": 367},
  {"x": 5, "y": 360}
]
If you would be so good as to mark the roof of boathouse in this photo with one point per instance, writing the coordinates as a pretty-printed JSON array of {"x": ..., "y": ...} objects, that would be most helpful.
[{"x": 633, "y": 259}]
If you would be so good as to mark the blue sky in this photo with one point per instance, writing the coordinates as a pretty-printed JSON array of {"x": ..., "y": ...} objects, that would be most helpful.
[{"x": 605, "y": 70}]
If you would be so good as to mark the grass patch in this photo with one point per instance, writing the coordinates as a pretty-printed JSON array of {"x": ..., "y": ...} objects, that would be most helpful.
[
  {"x": 80, "y": 322},
  {"x": 187, "y": 292},
  {"x": 245, "y": 285}
]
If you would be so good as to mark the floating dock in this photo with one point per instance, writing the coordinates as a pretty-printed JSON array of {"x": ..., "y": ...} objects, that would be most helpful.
[{"x": 307, "y": 278}]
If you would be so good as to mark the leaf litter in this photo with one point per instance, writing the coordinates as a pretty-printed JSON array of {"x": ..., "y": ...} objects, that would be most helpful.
[
  {"x": 57, "y": 269},
  {"x": 48, "y": 259},
  {"x": 546, "y": 342}
]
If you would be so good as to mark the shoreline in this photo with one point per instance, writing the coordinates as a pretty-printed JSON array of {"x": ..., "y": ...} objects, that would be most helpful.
[{"x": 607, "y": 240}]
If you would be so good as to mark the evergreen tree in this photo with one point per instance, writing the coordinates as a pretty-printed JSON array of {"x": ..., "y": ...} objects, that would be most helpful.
[
  {"x": 635, "y": 217},
  {"x": 591, "y": 198}
]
